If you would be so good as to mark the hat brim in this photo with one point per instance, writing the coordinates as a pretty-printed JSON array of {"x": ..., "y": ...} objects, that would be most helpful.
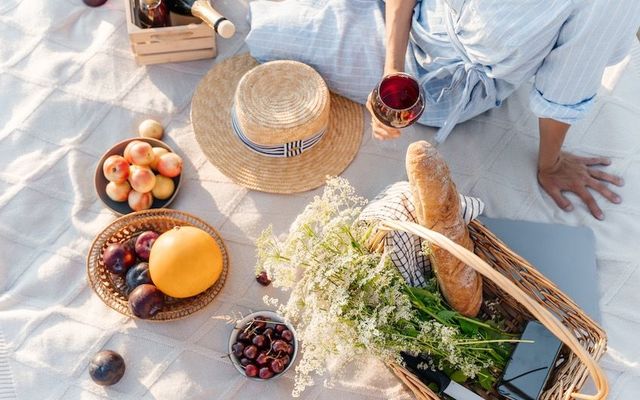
[{"x": 211, "y": 119}]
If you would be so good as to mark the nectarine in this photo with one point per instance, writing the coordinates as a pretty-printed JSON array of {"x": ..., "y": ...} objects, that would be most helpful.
[
  {"x": 140, "y": 201},
  {"x": 170, "y": 165},
  {"x": 163, "y": 188},
  {"x": 116, "y": 169},
  {"x": 118, "y": 191},
  {"x": 157, "y": 151},
  {"x": 141, "y": 153},
  {"x": 142, "y": 179}
]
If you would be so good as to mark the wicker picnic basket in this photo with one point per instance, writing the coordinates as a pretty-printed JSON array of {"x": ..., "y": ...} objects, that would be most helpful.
[{"x": 524, "y": 294}]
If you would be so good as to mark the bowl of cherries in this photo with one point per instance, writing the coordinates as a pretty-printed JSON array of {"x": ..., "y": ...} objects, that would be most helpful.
[{"x": 263, "y": 345}]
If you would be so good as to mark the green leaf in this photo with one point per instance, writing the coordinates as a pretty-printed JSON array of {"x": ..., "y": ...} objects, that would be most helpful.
[
  {"x": 459, "y": 377},
  {"x": 468, "y": 328},
  {"x": 434, "y": 387},
  {"x": 486, "y": 380},
  {"x": 422, "y": 294},
  {"x": 447, "y": 316},
  {"x": 447, "y": 370},
  {"x": 409, "y": 330}
]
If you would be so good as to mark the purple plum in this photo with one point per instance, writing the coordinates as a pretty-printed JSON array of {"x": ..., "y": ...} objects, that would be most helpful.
[
  {"x": 143, "y": 244},
  {"x": 118, "y": 257},
  {"x": 146, "y": 301},
  {"x": 138, "y": 275},
  {"x": 106, "y": 368}
]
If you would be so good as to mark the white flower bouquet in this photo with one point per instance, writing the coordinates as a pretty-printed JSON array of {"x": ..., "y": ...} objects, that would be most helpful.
[{"x": 348, "y": 301}]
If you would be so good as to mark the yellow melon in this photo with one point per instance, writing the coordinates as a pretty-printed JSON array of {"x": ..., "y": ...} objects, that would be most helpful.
[{"x": 185, "y": 261}]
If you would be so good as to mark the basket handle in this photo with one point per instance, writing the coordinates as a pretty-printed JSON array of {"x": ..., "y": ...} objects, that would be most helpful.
[{"x": 542, "y": 314}]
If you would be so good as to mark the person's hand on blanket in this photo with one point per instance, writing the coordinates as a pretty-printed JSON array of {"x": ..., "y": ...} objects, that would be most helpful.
[
  {"x": 576, "y": 174},
  {"x": 559, "y": 171}
]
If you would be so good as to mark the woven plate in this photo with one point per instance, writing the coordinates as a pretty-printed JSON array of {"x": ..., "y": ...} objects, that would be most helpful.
[{"x": 112, "y": 288}]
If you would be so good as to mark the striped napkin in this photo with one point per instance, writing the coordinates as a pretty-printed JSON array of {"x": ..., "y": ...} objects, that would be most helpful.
[{"x": 405, "y": 250}]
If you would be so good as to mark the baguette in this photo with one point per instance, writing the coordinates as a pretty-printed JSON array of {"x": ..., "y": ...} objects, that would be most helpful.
[{"x": 438, "y": 208}]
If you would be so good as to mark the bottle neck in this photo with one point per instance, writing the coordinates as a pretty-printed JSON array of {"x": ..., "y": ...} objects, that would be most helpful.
[{"x": 203, "y": 10}]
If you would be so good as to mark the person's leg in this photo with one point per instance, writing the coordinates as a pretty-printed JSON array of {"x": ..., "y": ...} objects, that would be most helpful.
[{"x": 342, "y": 39}]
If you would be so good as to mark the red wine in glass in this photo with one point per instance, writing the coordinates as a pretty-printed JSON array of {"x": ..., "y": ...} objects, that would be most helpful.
[{"x": 397, "y": 101}]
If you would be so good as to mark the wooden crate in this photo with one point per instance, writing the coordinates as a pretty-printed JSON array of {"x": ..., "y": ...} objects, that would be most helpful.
[{"x": 192, "y": 41}]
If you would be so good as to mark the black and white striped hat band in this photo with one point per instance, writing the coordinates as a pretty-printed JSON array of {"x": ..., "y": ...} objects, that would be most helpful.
[{"x": 290, "y": 149}]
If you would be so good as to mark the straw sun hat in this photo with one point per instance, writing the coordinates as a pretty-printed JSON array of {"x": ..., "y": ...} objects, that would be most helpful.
[{"x": 274, "y": 127}]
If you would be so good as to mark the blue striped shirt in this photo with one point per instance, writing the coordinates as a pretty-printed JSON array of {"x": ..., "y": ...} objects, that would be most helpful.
[{"x": 563, "y": 45}]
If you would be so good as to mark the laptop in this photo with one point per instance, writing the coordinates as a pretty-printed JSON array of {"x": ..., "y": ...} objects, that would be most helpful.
[{"x": 564, "y": 254}]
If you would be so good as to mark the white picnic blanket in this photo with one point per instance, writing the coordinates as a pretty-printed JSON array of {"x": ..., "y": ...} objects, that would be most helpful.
[{"x": 69, "y": 89}]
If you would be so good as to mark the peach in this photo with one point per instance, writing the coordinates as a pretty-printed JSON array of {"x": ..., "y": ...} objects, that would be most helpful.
[
  {"x": 170, "y": 165},
  {"x": 141, "y": 153},
  {"x": 127, "y": 150},
  {"x": 157, "y": 151},
  {"x": 142, "y": 179},
  {"x": 118, "y": 191},
  {"x": 116, "y": 169},
  {"x": 164, "y": 187},
  {"x": 140, "y": 201},
  {"x": 150, "y": 128}
]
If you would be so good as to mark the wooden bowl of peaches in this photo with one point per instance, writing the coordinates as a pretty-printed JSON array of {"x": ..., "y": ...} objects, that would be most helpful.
[{"x": 138, "y": 174}]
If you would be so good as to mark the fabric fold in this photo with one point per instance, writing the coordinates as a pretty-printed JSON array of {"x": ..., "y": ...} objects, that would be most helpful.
[{"x": 567, "y": 113}]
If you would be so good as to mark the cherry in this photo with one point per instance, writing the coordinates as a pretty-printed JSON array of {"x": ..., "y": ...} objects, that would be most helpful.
[
  {"x": 245, "y": 361},
  {"x": 244, "y": 337},
  {"x": 250, "y": 352},
  {"x": 279, "y": 346},
  {"x": 259, "y": 323},
  {"x": 238, "y": 349},
  {"x": 277, "y": 365},
  {"x": 262, "y": 359},
  {"x": 259, "y": 340},
  {"x": 251, "y": 370},
  {"x": 265, "y": 373},
  {"x": 287, "y": 335},
  {"x": 263, "y": 279},
  {"x": 286, "y": 359},
  {"x": 280, "y": 328}
]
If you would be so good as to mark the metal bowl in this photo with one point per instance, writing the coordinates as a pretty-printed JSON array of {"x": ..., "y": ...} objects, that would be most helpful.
[{"x": 270, "y": 316}]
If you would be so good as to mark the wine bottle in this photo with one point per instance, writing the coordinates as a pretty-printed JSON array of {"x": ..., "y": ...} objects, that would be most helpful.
[
  {"x": 153, "y": 14},
  {"x": 202, "y": 9}
]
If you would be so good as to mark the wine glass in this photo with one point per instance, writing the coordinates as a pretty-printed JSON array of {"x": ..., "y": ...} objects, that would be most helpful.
[{"x": 397, "y": 101}]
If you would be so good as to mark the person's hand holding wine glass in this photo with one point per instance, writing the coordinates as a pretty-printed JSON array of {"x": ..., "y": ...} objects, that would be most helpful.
[{"x": 395, "y": 103}]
